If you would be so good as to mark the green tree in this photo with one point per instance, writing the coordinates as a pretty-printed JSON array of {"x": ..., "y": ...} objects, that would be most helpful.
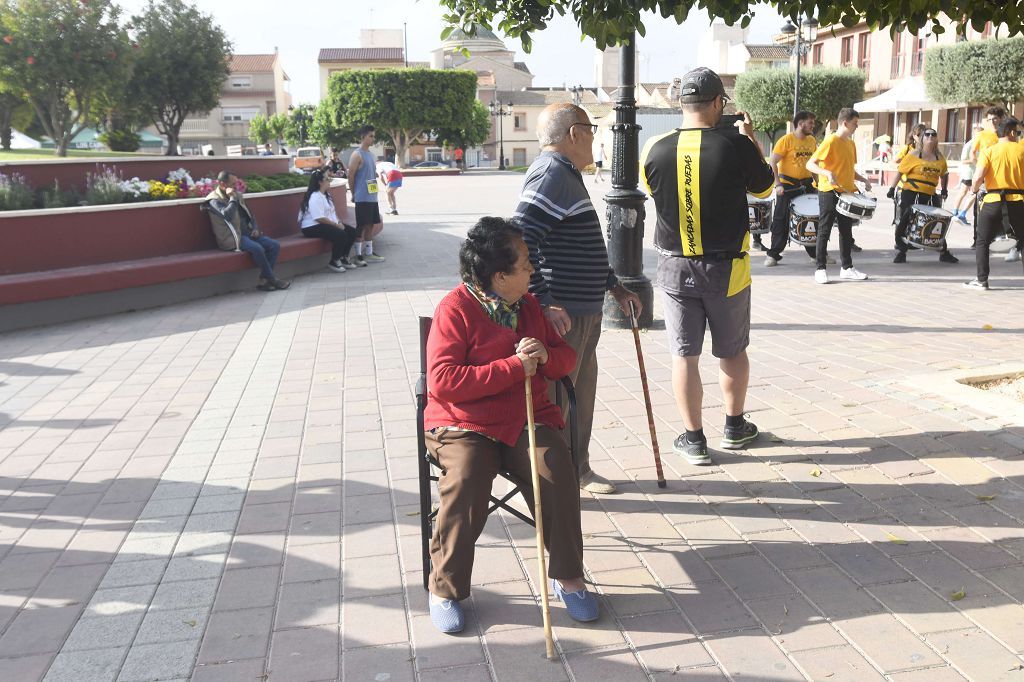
[
  {"x": 402, "y": 104},
  {"x": 327, "y": 131},
  {"x": 15, "y": 112},
  {"x": 278, "y": 122},
  {"x": 472, "y": 134},
  {"x": 299, "y": 123},
  {"x": 259, "y": 129},
  {"x": 61, "y": 54},
  {"x": 180, "y": 67},
  {"x": 967, "y": 73},
  {"x": 767, "y": 94},
  {"x": 611, "y": 22}
]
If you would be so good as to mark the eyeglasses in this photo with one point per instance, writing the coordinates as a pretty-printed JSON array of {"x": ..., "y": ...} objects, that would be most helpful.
[
  {"x": 725, "y": 100},
  {"x": 591, "y": 126},
  {"x": 930, "y": 133}
]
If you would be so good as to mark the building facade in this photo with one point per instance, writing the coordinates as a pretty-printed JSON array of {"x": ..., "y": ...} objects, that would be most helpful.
[{"x": 256, "y": 85}]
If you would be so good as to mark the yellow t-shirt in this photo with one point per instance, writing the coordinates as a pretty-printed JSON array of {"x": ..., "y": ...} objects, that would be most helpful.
[
  {"x": 984, "y": 140},
  {"x": 904, "y": 150},
  {"x": 1004, "y": 169},
  {"x": 921, "y": 176},
  {"x": 793, "y": 155},
  {"x": 839, "y": 156}
]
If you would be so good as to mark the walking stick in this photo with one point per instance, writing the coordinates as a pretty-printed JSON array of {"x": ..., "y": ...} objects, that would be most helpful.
[
  {"x": 647, "y": 398},
  {"x": 539, "y": 523}
]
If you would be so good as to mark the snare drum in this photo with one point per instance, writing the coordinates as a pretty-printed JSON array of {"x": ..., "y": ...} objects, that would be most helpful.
[
  {"x": 928, "y": 226},
  {"x": 760, "y": 214},
  {"x": 803, "y": 219},
  {"x": 856, "y": 206}
]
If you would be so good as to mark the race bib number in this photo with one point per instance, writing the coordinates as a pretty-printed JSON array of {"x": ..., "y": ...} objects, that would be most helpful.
[{"x": 371, "y": 186}]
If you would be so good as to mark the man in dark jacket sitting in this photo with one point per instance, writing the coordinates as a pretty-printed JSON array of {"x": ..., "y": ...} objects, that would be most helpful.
[{"x": 236, "y": 230}]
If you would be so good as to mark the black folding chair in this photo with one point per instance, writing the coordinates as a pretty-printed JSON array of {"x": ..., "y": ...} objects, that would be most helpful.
[{"x": 428, "y": 462}]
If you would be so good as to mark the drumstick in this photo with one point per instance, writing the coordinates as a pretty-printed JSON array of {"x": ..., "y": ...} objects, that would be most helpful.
[
  {"x": 538, "y": 519},
  {"x": 647, "y": 398}
]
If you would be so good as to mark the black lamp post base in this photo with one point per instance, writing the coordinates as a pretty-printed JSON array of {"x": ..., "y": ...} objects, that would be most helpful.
[
  {"x": 614, "y": 318},
  {"x": 625, "y": 215}
]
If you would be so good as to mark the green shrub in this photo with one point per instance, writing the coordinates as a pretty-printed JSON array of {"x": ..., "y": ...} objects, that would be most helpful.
[
  {"x": 55, "y": 197},
  {"x": 121, "y": 140},
  {"x": 104, "y": 187},
  {"x": 15, "y": 193}
]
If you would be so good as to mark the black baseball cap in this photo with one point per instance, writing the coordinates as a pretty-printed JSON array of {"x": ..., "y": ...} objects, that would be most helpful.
[{"x": 700, "y": 85}]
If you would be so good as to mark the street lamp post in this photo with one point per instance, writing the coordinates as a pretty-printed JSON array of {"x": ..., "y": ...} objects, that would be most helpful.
[
  {"x": 800, "y": 48},
  {"x": 500, "y": 110},
  {"x": 625, "y": 203}
]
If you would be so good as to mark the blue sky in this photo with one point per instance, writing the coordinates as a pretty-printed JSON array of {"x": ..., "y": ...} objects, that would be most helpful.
[{"x": 558, "y": 56}]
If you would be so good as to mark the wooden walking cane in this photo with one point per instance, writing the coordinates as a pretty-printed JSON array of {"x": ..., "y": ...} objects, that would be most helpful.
[
  {"x": 647, "y": 397},
  {"x": 539, "y": 523}
]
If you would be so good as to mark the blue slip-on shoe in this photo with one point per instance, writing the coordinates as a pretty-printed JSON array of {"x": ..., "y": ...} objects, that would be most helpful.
[
  {"x": 582, "y": 605},
  {"x": 446, "y": 615}
]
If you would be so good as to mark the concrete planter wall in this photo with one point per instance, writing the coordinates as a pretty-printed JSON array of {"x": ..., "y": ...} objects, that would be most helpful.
[
  {"x": 71, "y": 172},
  {"x": 53, "y": 239}
]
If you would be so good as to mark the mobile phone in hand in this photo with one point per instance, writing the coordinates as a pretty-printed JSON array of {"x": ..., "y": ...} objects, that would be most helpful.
[{"x": 730, "y": 120}]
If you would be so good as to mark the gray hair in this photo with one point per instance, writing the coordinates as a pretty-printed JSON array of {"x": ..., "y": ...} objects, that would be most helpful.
[{"x": 554, "y": 122}]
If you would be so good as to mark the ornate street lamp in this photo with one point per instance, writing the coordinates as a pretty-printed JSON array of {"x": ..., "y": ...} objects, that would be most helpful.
[
  {"x": 499, "y": 110},
  {"x": 800, "y": 47}
]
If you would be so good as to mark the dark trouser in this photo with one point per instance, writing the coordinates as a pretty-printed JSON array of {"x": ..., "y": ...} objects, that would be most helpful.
[
  {"x": 263, "y": 251},
  {"x": 909, "y": 198},
  {"x": 990, "y": 224},
  {"x": 341, "y": 238},
  {"x": 827, "y": 217},
  {"x": 582, "y": 336},
  {"x": 470, "y": 462}
]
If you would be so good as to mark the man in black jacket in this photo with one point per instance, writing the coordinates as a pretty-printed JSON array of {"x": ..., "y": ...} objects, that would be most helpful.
[{"x": 236, "y": 230}]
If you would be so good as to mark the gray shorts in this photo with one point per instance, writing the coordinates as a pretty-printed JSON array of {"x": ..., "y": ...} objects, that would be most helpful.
[{"x": 694, "y": 295}]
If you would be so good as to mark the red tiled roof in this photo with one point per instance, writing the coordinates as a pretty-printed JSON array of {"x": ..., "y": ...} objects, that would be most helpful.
[
  {"x": 361, "y": 54},
  {"x": 245, "y": 63},
  {"x": 777, "y": 52}
]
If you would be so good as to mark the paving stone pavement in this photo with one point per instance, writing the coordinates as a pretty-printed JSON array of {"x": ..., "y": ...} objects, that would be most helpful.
[{"x": 226, "y": 489}]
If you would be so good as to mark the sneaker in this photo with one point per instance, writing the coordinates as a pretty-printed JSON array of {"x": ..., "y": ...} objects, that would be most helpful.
[
  {"x": 374, "y": 258},
  {"x": 360, "y": 262},
  {"x": 1012, "y": 256},
  {"x": 598, "y": 485},
  {"x": 976, "y": 284},
  {"x": 737, "y": 437},
  {"x": 582, "y": 606},
  {"x": 947, "y": 257},
  {"x": 852, "y": 273},
  {"x": 336, "y": 266},
  {"x": 265, "y": 285},
  {"x": 856, "y": 249},
  {"x": 821, "y": 277},
  {"x": 759, "y": 245},
  {"x": 694, "y": 453},
  {"x": 281, "y": 284},
  {"x": 446, "y": 615},
  {"x": 346, "y": 263},
  {"x": 962, "y": 218},
  {"x": 901, "y": 257},
  {"x": 770, "y": 262}
]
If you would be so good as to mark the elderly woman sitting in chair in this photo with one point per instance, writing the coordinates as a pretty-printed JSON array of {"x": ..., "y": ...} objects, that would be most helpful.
[{"x": 488, "y": 337}]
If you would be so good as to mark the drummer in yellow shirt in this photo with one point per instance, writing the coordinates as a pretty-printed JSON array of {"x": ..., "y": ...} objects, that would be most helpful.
[
  {"x": 920, "y": 174},
  {"x": 792, "y": 179},
  {"x": 1001, "y": 169},
  {"x": 834, "y": 163}
]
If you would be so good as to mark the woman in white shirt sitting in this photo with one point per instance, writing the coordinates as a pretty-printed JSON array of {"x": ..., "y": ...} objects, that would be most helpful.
[{"x": 318, "y": 219}]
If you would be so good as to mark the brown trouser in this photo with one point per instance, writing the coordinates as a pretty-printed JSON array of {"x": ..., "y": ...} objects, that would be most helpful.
[
  {"x": 470, "y": 462},
  {"x": 583, "y": 336}
]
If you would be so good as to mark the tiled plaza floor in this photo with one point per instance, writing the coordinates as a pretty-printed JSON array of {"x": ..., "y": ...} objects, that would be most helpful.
[{"x": 226, "y": 489}]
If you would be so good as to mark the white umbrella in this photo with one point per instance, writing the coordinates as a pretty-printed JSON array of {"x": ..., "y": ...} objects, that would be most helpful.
[{"x": 907, "y": 95}]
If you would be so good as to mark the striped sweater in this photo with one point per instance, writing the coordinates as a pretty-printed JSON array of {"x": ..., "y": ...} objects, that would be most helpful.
[{"x": 562, "y": 230}]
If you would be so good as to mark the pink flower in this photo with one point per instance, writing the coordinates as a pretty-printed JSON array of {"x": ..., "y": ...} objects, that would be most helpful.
[{"x": 30, "y": 61}]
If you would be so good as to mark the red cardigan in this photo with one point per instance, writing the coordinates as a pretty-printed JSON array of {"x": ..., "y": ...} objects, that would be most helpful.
[{"x": 475, "y": 380}]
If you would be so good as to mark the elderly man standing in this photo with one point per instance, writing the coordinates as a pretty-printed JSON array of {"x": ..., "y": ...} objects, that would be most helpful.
[{"x": 570, "y": 259}]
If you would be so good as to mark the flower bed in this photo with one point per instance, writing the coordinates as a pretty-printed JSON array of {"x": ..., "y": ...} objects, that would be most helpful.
[{"x": 107, "y": 186}]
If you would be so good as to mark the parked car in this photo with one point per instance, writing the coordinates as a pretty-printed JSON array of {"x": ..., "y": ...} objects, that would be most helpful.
[
  {"x": 431, "y": 164},
  {"x": 308, "y": 159}
]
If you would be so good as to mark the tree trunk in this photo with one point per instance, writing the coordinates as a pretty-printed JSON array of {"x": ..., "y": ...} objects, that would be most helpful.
[
  {"x": 6, "y": 114},
  {"x": 62, "y": 145},
  {"x": 172, "y": 140}
]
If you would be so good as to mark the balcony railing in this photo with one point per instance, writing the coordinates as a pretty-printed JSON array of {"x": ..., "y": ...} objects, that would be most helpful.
[
  {"x": 195, "y": 125},
  {"x": 917, "y": 63}
]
